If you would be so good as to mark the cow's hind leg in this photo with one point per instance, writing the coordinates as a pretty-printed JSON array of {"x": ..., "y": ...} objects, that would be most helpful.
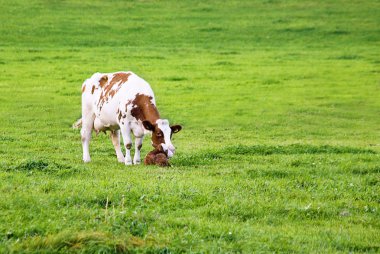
[
  {"x": 126, "y": 134},
  {"x": 87, "y": 123},
  {"x": 115, "y": 137},
  {"x": 88, "y": 118}
]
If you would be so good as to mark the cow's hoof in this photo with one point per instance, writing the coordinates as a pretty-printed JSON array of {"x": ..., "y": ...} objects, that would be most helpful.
[
  {"x": 86, "y": 160},
  {"x": 128, "y": 163},
  {"x": 121, "y": 160},
  {"x": 136, "y": 162}
]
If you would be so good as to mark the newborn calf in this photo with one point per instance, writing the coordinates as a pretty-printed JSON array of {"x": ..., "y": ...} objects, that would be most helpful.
[{"x": 157, "y": 157}]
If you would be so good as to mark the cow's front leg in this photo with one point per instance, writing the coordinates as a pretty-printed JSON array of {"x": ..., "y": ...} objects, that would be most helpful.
[
  {"x": 115, "y": 137},
  {"x": 126, "y": 133},
  {"x": 138, "y": 145}
]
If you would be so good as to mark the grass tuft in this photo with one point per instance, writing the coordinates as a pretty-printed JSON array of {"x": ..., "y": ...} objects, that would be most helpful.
[
  {"x": 38, "y": 165},
  {"x": 175, "y": 78},
  {"x": 74, "y": 242}
]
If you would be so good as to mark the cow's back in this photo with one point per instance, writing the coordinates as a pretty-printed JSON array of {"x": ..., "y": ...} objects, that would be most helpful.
[{"x": 109, "y": 93}]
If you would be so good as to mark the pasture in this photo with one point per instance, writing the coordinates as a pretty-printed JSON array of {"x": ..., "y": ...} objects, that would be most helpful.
[{"x": 280, "y": 107}]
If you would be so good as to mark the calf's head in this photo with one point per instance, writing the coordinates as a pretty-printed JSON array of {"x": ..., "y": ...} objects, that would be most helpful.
[{"x": 162, "y": 133}]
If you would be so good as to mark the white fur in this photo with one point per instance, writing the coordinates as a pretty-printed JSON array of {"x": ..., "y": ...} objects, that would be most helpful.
[{"x": 163, "y": 124}]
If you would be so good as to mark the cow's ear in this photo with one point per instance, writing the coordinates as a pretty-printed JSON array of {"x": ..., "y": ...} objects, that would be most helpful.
[
  {"x": 148, "y": 125},
  {"x": 176, "y": 128}
]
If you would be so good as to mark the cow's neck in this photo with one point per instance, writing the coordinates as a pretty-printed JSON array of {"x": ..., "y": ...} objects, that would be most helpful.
[
  {"x": 144, "y": 109},
  {"x": 150, "y": 113}
]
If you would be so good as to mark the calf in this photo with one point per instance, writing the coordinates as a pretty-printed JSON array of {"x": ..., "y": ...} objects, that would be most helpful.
[
  {"x": 157, "y": 157},
  {"x": 122, "y": 102}
]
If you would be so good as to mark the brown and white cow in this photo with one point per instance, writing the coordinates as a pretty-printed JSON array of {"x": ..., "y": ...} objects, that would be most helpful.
[{"x": 123, "y": 102}]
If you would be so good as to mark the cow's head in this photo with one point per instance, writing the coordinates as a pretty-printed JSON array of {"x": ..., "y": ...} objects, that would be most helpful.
[{"x": 162, "y": 133}]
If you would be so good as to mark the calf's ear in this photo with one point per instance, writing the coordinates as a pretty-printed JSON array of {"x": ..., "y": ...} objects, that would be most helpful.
[
  {"x": 176, "y": 128},
  {"x": 148, "y": 125}
]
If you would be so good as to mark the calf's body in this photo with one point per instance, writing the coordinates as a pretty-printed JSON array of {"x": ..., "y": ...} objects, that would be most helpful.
[{"x": 123, "y": 103}]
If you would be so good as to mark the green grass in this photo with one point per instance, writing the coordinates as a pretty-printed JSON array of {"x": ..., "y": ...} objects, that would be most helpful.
[{"x": 280, "y": 105}]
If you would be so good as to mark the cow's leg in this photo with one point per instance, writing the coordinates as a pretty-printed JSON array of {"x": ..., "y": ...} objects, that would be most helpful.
[
  {"x": 88, "y": 118},
  {"x": 138, "y": 145},
  {"x": 115, "y": 137},
  {"x": 87, "y": 123},
  {"x": 126, "y": 134}
]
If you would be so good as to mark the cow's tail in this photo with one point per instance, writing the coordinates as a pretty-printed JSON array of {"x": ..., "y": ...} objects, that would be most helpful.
[{"x": 77, "y": 124}]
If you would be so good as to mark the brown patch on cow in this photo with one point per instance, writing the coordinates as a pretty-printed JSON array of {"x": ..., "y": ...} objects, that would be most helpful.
[
  {"x": 139, "y": 147},
  {"x": 119, "y": 116},
  {"x": 120, "y": 76},
  {"x": 144, "y": 109},
  {"x": 93, "y": 89},
  {"x": 103, "y": 80},
  {"x": 83, "y": 88},
  {"x": 128, "y": 146},
  {"x": 111, "y": 88},
  {"x": 137, "y": 113},
  {"x": 157, "y": 136}
]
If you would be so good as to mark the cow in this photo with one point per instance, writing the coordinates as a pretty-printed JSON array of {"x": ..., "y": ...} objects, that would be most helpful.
[{"x": 122, "y": 102}]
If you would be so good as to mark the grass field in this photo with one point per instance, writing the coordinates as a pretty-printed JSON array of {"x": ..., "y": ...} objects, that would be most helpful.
[{"x": 280, "y": 104}]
